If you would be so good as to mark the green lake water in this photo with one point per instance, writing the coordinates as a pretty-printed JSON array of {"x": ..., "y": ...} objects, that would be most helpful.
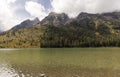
[{"x": 60, "y": 62}]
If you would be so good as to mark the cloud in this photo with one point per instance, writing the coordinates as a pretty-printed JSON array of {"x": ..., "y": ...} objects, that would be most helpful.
[
  {"x": 7, "y": 14},
  {"x": 35, "y": 9},
  {"x": 74, "y": 7}
]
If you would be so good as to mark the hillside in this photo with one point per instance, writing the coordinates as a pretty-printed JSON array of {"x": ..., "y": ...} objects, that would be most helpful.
[
  {"x": 58, "y": 30},
  {"x": 22, "y": 38}
]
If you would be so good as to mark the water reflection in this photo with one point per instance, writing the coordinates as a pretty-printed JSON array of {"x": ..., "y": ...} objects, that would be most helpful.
[{"x": 60, "y": 62}]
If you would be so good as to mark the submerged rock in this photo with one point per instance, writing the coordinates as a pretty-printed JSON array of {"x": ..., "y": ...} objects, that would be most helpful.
[{"x": 42, "y": 75}]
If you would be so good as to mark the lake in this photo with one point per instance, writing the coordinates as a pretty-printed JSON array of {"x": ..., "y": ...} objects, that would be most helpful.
[{"x": 60, "y": 62}]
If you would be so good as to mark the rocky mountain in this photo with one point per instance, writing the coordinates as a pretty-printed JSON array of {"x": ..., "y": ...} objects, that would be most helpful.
[
  {"x": 55, "y": 19},
  {"x": 112, "y": 15},
  {"x": 58, "y": 30},
  {"x": 26, "y": 23}
]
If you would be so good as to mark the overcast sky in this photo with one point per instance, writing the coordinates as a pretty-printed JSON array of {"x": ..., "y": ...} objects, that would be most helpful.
[{"x": 13, "y": 12}]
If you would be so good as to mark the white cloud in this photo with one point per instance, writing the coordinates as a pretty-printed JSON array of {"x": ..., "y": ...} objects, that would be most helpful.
[
  {"x": 74, "y": 7},
  {"x": 10, "y": 1},
  {"x": 35, "y": 9},
  {"x": 71, "y": 7},
  {"x": 7, "y": 16}
]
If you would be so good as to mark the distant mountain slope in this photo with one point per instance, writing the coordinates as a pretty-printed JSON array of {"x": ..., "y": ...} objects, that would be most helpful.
[
  {"x": 58, "y": 30},
  {"x": 26, "y": 23}
]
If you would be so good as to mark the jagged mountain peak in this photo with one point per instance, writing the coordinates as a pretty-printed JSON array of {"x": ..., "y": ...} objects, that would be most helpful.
[
  {"x": 55, "y": 19},
  {"x": 36, "y": 19},
  {"x": 54, "y": 13}
]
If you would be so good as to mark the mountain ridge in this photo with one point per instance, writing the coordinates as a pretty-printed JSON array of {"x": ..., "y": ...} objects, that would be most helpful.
[
  {"x": 26, "y": 23},
  {"x": 86, "y": 30},
  {"x": 55, "y": 19},
  {"x": 63, "y": 19}
]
